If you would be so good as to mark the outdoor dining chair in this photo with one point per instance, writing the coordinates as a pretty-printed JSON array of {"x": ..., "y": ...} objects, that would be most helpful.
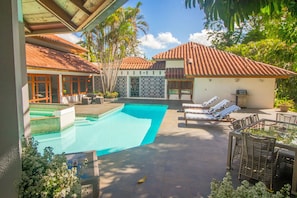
[
  {"x": 258, "y": 158},
  {"x": 285, "y": 122},
  {"x": 237, "y": 125},
  {"x": 240, "y": 125}
]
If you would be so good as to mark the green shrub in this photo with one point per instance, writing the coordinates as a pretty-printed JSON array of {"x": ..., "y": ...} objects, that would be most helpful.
[
  {"x": 46, "y": 175},
  {"x": 284, "y": 101},
  {"x": 225, "y": 189},
  {"x": 111, "y": 94}
]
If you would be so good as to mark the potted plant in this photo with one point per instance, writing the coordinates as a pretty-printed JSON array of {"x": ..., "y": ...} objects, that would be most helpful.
[
  {"x": 111, "y": 96},
  {"x": 284, "y": 104}
]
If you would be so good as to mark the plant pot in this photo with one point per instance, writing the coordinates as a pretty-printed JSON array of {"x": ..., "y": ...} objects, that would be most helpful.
[
  {"x": 110, "y": 99},
  {"x": 284, "y": 108}
]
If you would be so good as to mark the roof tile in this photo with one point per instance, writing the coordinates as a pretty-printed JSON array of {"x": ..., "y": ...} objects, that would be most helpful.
[
  {"x": 46, "y": 58},
  {"x": 202, "y": 61},
  {"x": 137, "y": 63}
]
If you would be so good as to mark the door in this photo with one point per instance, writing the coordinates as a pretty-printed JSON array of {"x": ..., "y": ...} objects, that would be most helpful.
[
  {"x": 40, "y": 90},
  {"x": 134, "y": 87}
]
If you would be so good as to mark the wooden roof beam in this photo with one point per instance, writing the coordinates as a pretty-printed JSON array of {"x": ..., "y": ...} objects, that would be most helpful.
[
  {"x": 53, "y": 8},
  {"x": 26, "y": 26},
  {"x": 106, "y": 8},
  {"x": 80, "y": 5}
]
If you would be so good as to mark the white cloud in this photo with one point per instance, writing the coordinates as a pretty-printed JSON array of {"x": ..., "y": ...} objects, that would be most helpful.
[
  {"x": 151, "y": 42},
  {"x": 201, "y": 37},
  {"x": 70, "y": 37},
  {"x": 166, "y": 37},
  {"x": 159, "y": 42}
]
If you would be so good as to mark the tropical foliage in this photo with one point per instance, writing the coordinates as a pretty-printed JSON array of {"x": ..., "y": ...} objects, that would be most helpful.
[
  {"x": 113, "y": 39},
  {"x": 277, "y": 46},
  {"x": 268, "y": 37},
  {"x": 234, "y": 12},
  {"x": 46, "y": 175}
]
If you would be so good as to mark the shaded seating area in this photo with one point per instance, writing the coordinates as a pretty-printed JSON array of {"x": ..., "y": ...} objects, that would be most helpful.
[
  {"x": 205, "y": 104},
  {"x": 219, "y": 116},
  {"x": 271, "y": 149},
  {"x": 92, "y": 99}
]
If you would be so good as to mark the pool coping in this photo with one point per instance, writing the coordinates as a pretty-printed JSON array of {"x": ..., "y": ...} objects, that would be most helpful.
[{"x": 96, "y": 110}]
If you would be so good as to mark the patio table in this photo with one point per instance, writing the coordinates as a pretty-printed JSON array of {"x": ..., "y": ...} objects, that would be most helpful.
[{"x": 286, "y": 137}]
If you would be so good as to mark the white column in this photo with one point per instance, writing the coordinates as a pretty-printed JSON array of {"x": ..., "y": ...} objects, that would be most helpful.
[
  {"x": 128, "y": 86},
  {"x": 165, "y": 90},
  {"x": 14, "y": 116}
]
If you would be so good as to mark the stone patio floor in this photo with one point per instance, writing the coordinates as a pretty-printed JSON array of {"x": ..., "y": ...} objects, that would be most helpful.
[{"x": 181, "y": 162}]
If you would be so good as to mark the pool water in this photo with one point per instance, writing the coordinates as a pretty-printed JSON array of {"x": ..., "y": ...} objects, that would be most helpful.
[
  {"x": 134, "y": 125},
  {"x": 39, "y": 114}
]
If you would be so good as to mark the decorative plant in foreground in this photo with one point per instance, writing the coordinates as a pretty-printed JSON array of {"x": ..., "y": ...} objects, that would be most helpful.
[
  {"x": 46, "y": 175},
  {"x": 224, "y": 189}
]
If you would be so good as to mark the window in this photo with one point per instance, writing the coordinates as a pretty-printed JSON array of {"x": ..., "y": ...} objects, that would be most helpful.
[
  {"x": 66, "y": 85},
  {"x": 39, "y": 88},
  {"x": 73, "y": 85}
]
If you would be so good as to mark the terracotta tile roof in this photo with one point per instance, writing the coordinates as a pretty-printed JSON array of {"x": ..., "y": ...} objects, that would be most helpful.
[
  {"x": 137, "y": 63},
  {"x": 174, "y": 73},
  {"x": 46, "y": 58},
  {"x": 54, "y": 41},
  {"x": 202, "y": 61}
]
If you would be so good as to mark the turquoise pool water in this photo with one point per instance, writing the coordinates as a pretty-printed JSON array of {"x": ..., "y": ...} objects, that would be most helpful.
[{"x": 133, "y": 125}]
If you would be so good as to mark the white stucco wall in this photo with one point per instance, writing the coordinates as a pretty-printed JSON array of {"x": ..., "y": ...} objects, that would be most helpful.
[
  {"x": 174, "y": 64},
  {"x": 260, "y": 90},
  {"x": 141, "y": 73}
]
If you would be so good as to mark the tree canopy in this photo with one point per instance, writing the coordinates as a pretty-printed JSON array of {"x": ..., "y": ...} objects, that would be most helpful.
[
  {"x": 112, "y": 40},
  {"x": 234, "y": 12}
]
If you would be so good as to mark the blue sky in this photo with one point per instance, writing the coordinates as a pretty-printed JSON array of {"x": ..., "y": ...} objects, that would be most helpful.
[{"x": 170, "y": 24}]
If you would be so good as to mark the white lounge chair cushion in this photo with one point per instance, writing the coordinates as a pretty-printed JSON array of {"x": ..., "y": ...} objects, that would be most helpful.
[
  {"x": 190, "y": 105},
  {"x": 201, "y": 111},
  {"x": 204, "y": 104},
  {"x": 196, "y": 116},
  {"x": 210, "y": 101},
  {"x": 217, "y": 116},
  {"x": 223, "y": 104}
]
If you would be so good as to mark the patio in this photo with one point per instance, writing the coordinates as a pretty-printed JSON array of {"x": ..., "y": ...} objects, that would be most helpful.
[{"x": 181, "y": 162}]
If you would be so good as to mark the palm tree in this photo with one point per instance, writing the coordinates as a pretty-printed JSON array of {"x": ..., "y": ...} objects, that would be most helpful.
[
  {"x": 112, "y": 40},
  {"x": 233, "y": 12}
]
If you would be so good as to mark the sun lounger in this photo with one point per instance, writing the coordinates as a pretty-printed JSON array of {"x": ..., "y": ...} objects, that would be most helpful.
[
  {"x": 222, "y": 104},
  {"x": 205, "y": 104},
  {"x": 224, "y": 114}
]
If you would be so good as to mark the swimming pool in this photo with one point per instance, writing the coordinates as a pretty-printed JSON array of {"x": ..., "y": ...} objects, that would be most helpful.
[{"x": 131, "y": 126}]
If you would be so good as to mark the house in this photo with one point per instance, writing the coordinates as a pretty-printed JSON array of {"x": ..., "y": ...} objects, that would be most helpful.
[
  {"x": 56, "y": 72},
  {"x": 139, "y": 78},
  {"x": 192, "y": 71}
]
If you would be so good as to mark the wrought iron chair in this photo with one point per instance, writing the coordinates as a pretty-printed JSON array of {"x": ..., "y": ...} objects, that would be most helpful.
[{"x": 258, "y": 158}]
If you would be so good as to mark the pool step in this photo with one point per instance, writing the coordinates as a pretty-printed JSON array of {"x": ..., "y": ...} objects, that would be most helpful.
[{"x": 84, "y": 121}]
